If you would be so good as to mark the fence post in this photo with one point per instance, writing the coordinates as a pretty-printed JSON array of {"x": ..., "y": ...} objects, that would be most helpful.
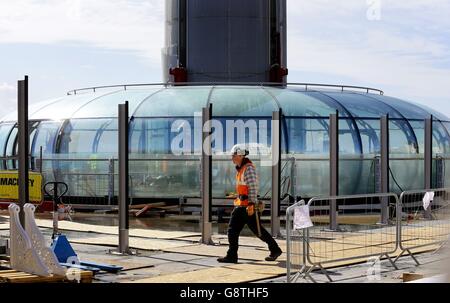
[
  {"x": 334, "y": 167},
  {"x": 23, "y": 147},
  {"x": 384, "y": 167}
]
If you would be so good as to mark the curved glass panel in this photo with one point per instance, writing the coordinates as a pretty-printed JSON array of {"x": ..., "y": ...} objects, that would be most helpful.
[
  {"x": 332, "y": 103},
  {"x": 410, "y": 110},
  {"x": 308, "y": 136},
  {"x": 46, "y": 138},
  {"x": 362, "y": 106},
  {"x": 166, "y": 137},
  {"x": 174, "y": 102},
  {"x": 164, "y": 176},
  {"x": 64, "y": 108},
  {"x": 84, "y": 149},
  {"x": 5, "y": 129},
  {"x": 107, "y": 139},
  {"x": 369, "y": 131},
  {"x": 419, "y": 131},
  {"x": 309, "y": 148},
  {"x": 435, "y": 114},
  {"x": 84, "y": 137},
  {"x": 156, "y": 136},
  {"x": 445, "y": 164},
  {"x": 447, "y": 126},
  {"x": 32, "y": 108},
  {"x": 107, "y": 106},
  {"x": 351, "y": 162},
  {"x": 401, "y": 140},
  {"x": 299, "y": 104},
  {"x": 431, "y": 111},
  {"x": 405, "y": 157},
  {"x": 254, "y": 132},
  {"x": 10, "y": 148},
  {"x": 242, "y": 102},
  {"x": 441, "y": 139}
]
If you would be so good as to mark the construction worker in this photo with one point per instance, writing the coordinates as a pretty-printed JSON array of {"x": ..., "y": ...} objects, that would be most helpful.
[{"x": 247, "y": 208}]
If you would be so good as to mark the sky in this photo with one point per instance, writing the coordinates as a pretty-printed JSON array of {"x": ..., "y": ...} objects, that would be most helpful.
[{"x": 401, "y": 47}]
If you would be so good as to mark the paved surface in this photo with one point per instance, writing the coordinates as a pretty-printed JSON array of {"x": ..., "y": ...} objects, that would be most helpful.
[{"x": 184, "y": 260}]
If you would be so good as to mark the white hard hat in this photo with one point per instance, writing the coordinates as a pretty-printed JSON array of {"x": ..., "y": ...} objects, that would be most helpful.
[{"x": 239, "y": 150}]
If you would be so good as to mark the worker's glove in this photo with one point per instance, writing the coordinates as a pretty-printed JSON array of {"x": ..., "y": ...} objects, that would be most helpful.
[
  {"x": 251, "y": 209},
  {"x": 231, "y": 195}
]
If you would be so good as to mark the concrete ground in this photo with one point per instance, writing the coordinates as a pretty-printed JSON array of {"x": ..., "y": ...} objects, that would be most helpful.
[{"x": 183, "y": 259}]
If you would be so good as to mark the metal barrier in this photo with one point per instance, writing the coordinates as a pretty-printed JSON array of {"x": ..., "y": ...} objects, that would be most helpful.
[
  {"x": 361, "y": 233},
  {"x": 420, "y": 227},
  {"x": 295, "y": 246}
]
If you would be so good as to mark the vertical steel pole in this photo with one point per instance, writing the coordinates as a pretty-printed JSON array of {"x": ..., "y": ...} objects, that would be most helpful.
[
  {"x": 206, "y": 176},
  {"x": 276, "y": 173},
  {"x": 334, "y": 168},
  {"x": 428, "y": 156},
  {"x": 24, "y": 146},
  {"x": 428, "y": 165},
  {"x": 123, "y": 179},
  {"x": 385, "y": 170}
]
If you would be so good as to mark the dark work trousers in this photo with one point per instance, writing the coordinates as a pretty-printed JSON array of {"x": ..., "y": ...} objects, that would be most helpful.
[{"x": 239, "y": 218}]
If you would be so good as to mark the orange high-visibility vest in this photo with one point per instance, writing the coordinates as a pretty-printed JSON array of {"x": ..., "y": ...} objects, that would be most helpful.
[{"x": 242, "y": 187}]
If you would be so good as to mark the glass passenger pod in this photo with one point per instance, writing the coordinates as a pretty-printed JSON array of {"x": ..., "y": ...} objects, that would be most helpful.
[{"x": 165, "y": 139}]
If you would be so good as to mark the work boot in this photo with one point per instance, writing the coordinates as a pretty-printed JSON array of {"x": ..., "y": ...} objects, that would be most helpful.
[
  {"x": 227, "y": 259},
  {"x": 274, "y": 255}
]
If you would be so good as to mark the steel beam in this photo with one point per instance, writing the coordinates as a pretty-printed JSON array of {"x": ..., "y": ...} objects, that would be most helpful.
[
  {"x": 123, "y": 179},
  {"x": 23, "y": 146},
  {"x": 428, "y": 153},
  {"x": 384, "y": 166},
  {"x": 206, "y": 224},
  {"x": 428, "y": 159},
  {"x": 276, "y": 173},
  {"x": 334, "y": 167}
]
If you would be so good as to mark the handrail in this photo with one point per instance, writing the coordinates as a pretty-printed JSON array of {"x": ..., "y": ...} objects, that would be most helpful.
[{"x": 307, "y": 86}]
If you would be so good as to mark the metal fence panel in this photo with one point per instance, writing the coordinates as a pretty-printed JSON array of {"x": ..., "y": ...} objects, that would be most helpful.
[
  {"x": 295, "y": 242},
  {"x": 361, "y": 233},
  {"x": 419, "y": 228}
]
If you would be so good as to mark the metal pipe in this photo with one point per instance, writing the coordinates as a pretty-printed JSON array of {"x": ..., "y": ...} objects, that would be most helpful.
[
  {"x": 166, "y": 84},
  {"x": 24, "y": 146},
  {"x": 123, "y": 179}
]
